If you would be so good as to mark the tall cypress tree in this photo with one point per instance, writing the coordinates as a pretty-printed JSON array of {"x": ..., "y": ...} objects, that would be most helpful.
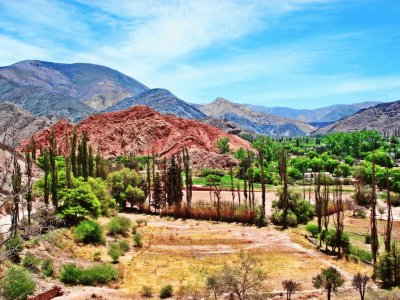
[
  {"x": 53, "y": 169},
  {"x": 188, "y": 177},
  {"x": 28, "y": 195},
  {"x": 73, "y": 153},
  {"x": 46, "y": 169},
  {"x": 84, "y": 157},
  {"x": 90, "y": 162}
]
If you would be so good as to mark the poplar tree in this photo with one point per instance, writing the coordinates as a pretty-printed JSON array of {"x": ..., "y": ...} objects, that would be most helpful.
[
  {"x": 16, "y": 191},
  {"x": 28, "y": 194},
  {"x": 284, "y": 198},
  {"x": 90, "y": 162},
  {"x": 84, "y": 157},
  {"x": 53, "y": 169},
  {"x": 46, "y": 169},
  {"x": 188, "y": 177},
  {"x": 73, "y": 153}
]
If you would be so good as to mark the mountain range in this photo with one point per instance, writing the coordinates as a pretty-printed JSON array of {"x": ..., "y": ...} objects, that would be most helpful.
[
  {"x": 327, "y": 114},
  {"x": 383, "y": 117},
  {"x": 52, "y": 91},
  {"x": 258, "y": 122}
]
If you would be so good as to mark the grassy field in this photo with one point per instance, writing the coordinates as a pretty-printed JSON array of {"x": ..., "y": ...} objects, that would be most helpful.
[{"x": 226, "y": 182}]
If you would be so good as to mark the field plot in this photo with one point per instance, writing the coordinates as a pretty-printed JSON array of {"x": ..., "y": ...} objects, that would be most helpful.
[{"x": 184, "y": 252}]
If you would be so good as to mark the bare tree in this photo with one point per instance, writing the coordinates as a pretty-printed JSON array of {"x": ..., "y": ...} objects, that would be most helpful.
[
  {"x": 338, "y": 217},
  {"x": 243, "y": 277},
  {"x": 290, "y": 287},
  {"x": 360, "y": 282}
]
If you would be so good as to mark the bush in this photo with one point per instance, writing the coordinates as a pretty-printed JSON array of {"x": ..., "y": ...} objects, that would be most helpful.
[
  {"x": 166, "y": 291},
  {"x": 119, "y": 225},
  {"x": 114, "y": 251},
  {"x": 89, "y": 232},
  {"x": 137, "y": 238},
  {"x": 368, "y": 238},
  {"x": 313, "y": 229},
  {"x": 278, "y": 218},
  {"x": 304, "y": 211},
  {"x": 208, "y": 171},
  {"x": 98, "y": 274},
  {"x": 31, "y": 262},
  {"x": 97, "y": 256},
  {"x": 361, "y": 253},
  {"x": 14, "y": 246},
  {"x": 70, "y": 274},
  {"x": 48, "y": 268},
  {"x": 147, "y": 291},
  {"x": 134, "y": 228},
  {"x": 124, "y": 245},
  {"x": 17, "y": 284},
  {"x": 141, "y": 222}
]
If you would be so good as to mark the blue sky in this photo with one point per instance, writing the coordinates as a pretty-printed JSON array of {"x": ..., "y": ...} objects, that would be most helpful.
[{"x": 296, "y": 53}]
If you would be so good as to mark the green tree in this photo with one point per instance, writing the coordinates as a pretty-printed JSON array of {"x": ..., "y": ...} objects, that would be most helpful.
[
  {"x": 17, "y": 284},
  {"x": 330, "y": 280},
  {"x": 223, "y": 145}
]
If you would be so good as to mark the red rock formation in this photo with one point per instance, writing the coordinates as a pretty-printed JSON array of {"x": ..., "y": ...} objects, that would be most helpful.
[{"x": 140, "y": 130}]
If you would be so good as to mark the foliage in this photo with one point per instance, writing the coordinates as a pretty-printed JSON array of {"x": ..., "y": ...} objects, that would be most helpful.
[
  {"x": 119, "y": 225},
  {"x": 329, "y": 279},
  {"x": 31, "y": 262},
  {"x": 360, "y": 253},
  {"x": 313, "y": 229},
  {"x": 124, "y": 245},
  {"x": 278, "y": 218},
  {"x": 166, "y": 291},
  {"x": 223, "y": 145},
  {"x": 119, "y": 181},
  {"x": 48, "y": 268},
  {"x": 79, "y": 202},
  {"x": 89, "y": 232},
  {"x": 147, "y": 291},
  {"x": 13, "y": 247},
  {"x": 114, "y": 251},
  {"x": 384, "y": 269},
  {"x": 17, "y": 284},
  {"x": 100, "y": 189},
  {"x": 97, "y": 274},
  {"x": 70, "y": 274},
  {"x": 134, "y": 195},
  {"x": 209, "y": 171},
  {"x": 137, "y": 238}
]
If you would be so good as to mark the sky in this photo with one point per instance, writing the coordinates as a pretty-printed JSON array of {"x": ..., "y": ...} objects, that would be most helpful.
[{"x": 295, "y": 53}]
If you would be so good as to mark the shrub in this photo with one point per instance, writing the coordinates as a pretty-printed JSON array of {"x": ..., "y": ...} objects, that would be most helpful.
[
  {"x": 89, "y": 232},
  {"x": 17, "y": 284},
  {"x": 304, "y": 211},
  {"x": 48, "y": 268},
  {"x": 278, "y": 218},
  {"x": 361, "y": 253},
  {"x": 98, "y": 274},
  {"x": 141, "y": 222},
  {"x": 14, "y": 246},
  {"x": 114, "y": 251},
  {"x": 134, "y": 228},
  {"x": 31, "y": 262},
  {"x": 208, "y": 171},
  {"x": 70, "y": 274},
  {"x": 119, "y": 225},
  {"x": 124, "y": 245},
  {"x": 313, "y": 229},
  {"x": 97, "y": 256},
  {"x": 384, "y": 269},
  {"x": 166, "y": 291},
  {"x": 137, "y": 238},
  {"x": 147, "y": 291},
  {"x": 368, "y": 238}
]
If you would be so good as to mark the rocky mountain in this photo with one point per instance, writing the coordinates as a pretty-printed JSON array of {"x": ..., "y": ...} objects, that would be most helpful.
[
  {"x": 383, "y": 117},
  {"x": 17, "y": 124},
  {"x": 321, "y": 115},
  {"x": 253, "y": 121},
  {"x": 139, "y": 130},
  {"x": 162, "y": 101},
  {"x": 97, "y": 86}
]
